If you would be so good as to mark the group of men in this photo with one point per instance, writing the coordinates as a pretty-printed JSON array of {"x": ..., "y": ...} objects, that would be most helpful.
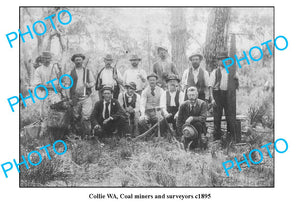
[{"x": 131, "y": 103}]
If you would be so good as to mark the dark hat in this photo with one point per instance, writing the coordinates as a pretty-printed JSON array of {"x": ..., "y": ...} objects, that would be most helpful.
[
  {"x": 189, "y": 131},
  {"x": 132, "y": 85},
  {"x": 135, "y": 57},
  {"x": 162, "y": 48},
  {"x": 107, "y": 88},
  {"x": 77, "y": 55},
  {"x": 222, "y": 55},
  {"x": 108, "y": 57},
  {"x": 152, "y": 75},
  {"x": 173, "y": 77},
  {"x": 46, "y": 54},
  {"x": 196, "y": 54}
]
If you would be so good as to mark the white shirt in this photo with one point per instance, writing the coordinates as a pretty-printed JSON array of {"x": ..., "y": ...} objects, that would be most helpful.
[
  {"x": 224, "y": 79},
  {"x": 107, "y": 77},
  {"x": 132, "y": 75},
  {"x": 109, "y": 108},
  {"x": 44, "y": 74},
  {"x": 80, "y": 85},
  {"x": 185, "y": 76},
  {"x": 163, "y": 100},
  {"x": 158, "y": 90}
]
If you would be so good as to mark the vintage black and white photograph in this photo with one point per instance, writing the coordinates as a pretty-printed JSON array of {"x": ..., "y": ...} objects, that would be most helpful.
[{"x": 146, "y": 96}]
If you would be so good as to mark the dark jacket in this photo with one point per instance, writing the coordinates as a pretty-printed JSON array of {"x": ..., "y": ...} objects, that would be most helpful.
[
  {"x": 97, "y": 114},
  {"x": 75, "y": 79},
  {"x": 199, "y": 113}
]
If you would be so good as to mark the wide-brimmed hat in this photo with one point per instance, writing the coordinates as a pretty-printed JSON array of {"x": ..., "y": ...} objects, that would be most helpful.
[
  {"x": 172, "y": 77},
  {"x": 107, "y": 87},
  {"x": 46, "y": 54},
  {"x": 222, "y": 55},
  {"x": 108, "y": 57},
  {"x": 152, "y": 75},
  {"x": 161, "y": 47},
  {"x": 196, "y": 54},
  {"x": 135, "y": 57},
  {"x": 132, "y": 85},
  {"x": 77, "y": 55},
  {"x": 189, "y": 131}
]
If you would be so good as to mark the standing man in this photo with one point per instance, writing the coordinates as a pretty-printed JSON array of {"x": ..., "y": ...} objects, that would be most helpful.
[
  {"x": 163, "y": 67},
  {"x": 195, "y": 76},
  {"x": 130, "y": 101},
  {"x": 219, "y": 81},
  {"x": 150, "y": 103},
  {"x": 171, "y": 99},
  {"x": 80, "y": 92},
  {"x": 193, "y": 112},
  {"x": 109, "y": 76},
  {"x": 43, "y": 74},
  {"x": 135, "y": 74},
  {"x": 108, "y": 116}
]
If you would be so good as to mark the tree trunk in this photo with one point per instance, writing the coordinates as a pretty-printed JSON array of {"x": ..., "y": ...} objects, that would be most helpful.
[
  {"x": 216, "y": 35},
  {"x": 178, "y": 39}
]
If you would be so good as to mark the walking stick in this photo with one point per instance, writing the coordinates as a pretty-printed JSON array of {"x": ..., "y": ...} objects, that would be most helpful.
[
  {"x": 85, "y": 76},
  {"x": 156, "y": 111}
]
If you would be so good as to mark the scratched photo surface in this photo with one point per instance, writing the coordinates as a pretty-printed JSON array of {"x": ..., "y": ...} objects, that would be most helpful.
[{"x": 159, "y": 40}]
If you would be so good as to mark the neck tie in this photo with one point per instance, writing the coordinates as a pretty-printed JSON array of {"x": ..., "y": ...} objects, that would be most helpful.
[
  {"x": 106, "y": 112},
  {"x": 192, "y": 108},
  {"x": 152, "y": 91}
]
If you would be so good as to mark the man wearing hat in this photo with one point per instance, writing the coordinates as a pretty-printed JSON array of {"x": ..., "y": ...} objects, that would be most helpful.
[
  {"x": 197, "y": 77},
  {"x": 219, "y": 82},
  {"x": 80, "y": 92},
  {"x": 193, "y": 112},
  {"x": 135, "y": 74},
  {"x": 163, "y": 67},
  {"x": 43, "y": 74},
  {"x": 108, "y": 116},
  {"x": 109, "y": 75},
  {"x": 150, "y": 104},
  {"x": 171, "y": 99},
  {"x": 130, "y": 101}
]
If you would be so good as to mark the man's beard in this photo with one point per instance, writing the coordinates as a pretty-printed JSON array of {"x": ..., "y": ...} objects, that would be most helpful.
[
  {"x": 195, "y": 66},
  {"x": 78, "y": 65}
]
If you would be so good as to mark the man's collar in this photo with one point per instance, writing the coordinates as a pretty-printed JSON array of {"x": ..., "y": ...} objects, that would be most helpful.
[{"x": 104, "y": 101}]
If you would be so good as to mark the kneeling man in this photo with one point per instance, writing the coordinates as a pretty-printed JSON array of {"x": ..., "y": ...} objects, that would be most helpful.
[
  {"x": 130, "y": 101},
  {"x": 171, "y": 99},
  {"x": 193, "y": 112},
  {"x": 108, "y": 116}
]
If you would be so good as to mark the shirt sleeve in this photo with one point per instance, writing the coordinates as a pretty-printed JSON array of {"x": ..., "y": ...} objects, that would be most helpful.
[
  {"x": 207, "y": 79},
  {"x": 37, "y": 77},
  {"x": 181, "y": 98},
  {"x": 91, "y": 79},
  {"x": 174, "y": 70},
  {"x": 143, "y": 102},
  {"x": 137, "y": 103},
  {"x": 184, "y": 79},
  {"x": 125, "y": 77},
  {"x": 120, "y": 77},
  {"x": 144, "y": 74},
  {"x": 120, "y": 99},
  {"x": 212, "y": 78},
  {"x": 163, "y": 103}
]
